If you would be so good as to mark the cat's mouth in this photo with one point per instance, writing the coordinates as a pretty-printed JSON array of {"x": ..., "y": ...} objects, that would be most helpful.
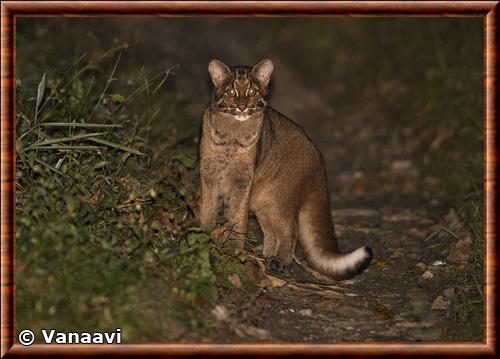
[
  {"x": 240, "y": 115},
  {"x": 246, "y": 112}
]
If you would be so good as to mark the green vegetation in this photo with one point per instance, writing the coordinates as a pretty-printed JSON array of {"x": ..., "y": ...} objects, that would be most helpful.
[{"x": 106, "y": 236}]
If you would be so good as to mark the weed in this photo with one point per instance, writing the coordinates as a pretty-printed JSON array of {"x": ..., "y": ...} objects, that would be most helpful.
[{"x": 105, "y": 234}]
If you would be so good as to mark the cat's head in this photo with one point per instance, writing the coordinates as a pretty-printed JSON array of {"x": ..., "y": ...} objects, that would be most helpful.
[{"x": 239, "y": 90}]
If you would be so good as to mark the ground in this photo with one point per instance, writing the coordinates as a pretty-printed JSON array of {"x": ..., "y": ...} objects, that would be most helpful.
[
  {"x": 386, "y": 117},
  {"x": 391, "y": 301}
]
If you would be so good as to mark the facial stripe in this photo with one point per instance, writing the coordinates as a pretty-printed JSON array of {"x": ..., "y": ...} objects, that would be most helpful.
[{"x": 241, "y": 95}]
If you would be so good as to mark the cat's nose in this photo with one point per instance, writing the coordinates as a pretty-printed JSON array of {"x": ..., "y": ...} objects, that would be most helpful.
[{"x": 242, "y": 106}]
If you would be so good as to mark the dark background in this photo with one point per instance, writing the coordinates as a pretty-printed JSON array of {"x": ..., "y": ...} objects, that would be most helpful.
[{"x": 368, "y": 91}]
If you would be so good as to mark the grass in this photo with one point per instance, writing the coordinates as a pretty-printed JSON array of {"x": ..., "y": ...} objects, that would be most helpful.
[{"x": 106, "y": 236}]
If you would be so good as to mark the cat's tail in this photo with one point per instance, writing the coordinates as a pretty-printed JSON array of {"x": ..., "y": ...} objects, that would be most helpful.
[{"x": 317, "y": 235}]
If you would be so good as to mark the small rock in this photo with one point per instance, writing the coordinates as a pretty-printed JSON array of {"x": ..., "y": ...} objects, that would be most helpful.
[
  {"x": 440, "y": 303},
  {"x": 461, "y": 251},
  {"x": 306, "y": 312},
  {"x": 450, "y": 292},
  {"x": 427, "y": 274},
  {"x": 220, "y": 313},
  {"x": 244, "y": 331},
  {"x": 400, "y": 165},
  {"x": 235, "y": 280},
  {"x": 420, "y": 266},
  {"x": 438, "y": 263}
]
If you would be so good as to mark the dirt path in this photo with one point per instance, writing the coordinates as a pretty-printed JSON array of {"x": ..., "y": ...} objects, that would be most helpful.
[
  {"x": 394, "y": 300},
  {"x": 408, "y": 292}
]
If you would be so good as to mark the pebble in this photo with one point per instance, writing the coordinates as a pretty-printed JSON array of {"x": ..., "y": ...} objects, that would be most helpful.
[
  {"x": 220, "y": 313},
  {"x": 427, "y": 274},
  {"x": 438, "y": 263},
  {"x": 440, "y": 303},
  {"x": 421, "y": 266},
  {"x": 400, "y": 165},
  {"x": 306, "y": 312},
  {"x": 235, "y": 280},
  {"x": 244, "y": 331}
]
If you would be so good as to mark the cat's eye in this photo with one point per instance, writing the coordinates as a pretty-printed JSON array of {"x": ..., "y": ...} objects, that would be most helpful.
[
  {"x": 251, "y": 92},
  {"x": 231, "y": 92}
]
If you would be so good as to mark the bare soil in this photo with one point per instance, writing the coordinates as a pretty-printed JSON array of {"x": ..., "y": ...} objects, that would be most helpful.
[{"x": 376, "y": 202}]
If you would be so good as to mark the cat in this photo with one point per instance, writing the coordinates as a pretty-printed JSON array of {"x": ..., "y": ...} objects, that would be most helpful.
[{"x": 253, "y": 158}]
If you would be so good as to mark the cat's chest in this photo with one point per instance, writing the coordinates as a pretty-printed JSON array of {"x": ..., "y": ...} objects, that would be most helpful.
[
  {"x": 228, "y": 165},
  {"x": 226, "y": 130},
  {"x": 228, "y": 149},
  {"x": 222, "y": 160}
]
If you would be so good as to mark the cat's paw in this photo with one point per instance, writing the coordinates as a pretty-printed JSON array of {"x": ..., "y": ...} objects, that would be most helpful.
[{"x": 276, "y": 265}]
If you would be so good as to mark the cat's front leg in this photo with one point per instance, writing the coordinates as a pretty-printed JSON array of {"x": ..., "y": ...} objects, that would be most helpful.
[
  {"x": 208, "y": 204},
  {"x": 237, "y": 208}
]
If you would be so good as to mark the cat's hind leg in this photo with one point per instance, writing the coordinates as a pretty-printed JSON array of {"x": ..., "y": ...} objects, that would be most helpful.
[{"x": 280, "y": 238}]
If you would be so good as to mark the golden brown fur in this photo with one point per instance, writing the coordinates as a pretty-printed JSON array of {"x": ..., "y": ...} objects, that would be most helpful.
[{"x": 252, "y": 158}]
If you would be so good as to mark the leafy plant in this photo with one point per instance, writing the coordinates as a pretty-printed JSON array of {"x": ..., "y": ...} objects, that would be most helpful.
[{"x": 104, "y": 235}]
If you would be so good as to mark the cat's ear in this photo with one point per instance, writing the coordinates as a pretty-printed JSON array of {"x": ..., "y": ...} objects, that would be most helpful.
[
  {"x": 262, "y": 71},
  {"x": 219, "y": 72}
]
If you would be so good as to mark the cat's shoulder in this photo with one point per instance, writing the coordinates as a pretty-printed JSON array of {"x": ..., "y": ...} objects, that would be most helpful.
[{"x": 280, "y": 120}]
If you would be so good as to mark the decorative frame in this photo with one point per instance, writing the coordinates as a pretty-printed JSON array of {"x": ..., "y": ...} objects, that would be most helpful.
[{"x": 12, "y": 9}]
